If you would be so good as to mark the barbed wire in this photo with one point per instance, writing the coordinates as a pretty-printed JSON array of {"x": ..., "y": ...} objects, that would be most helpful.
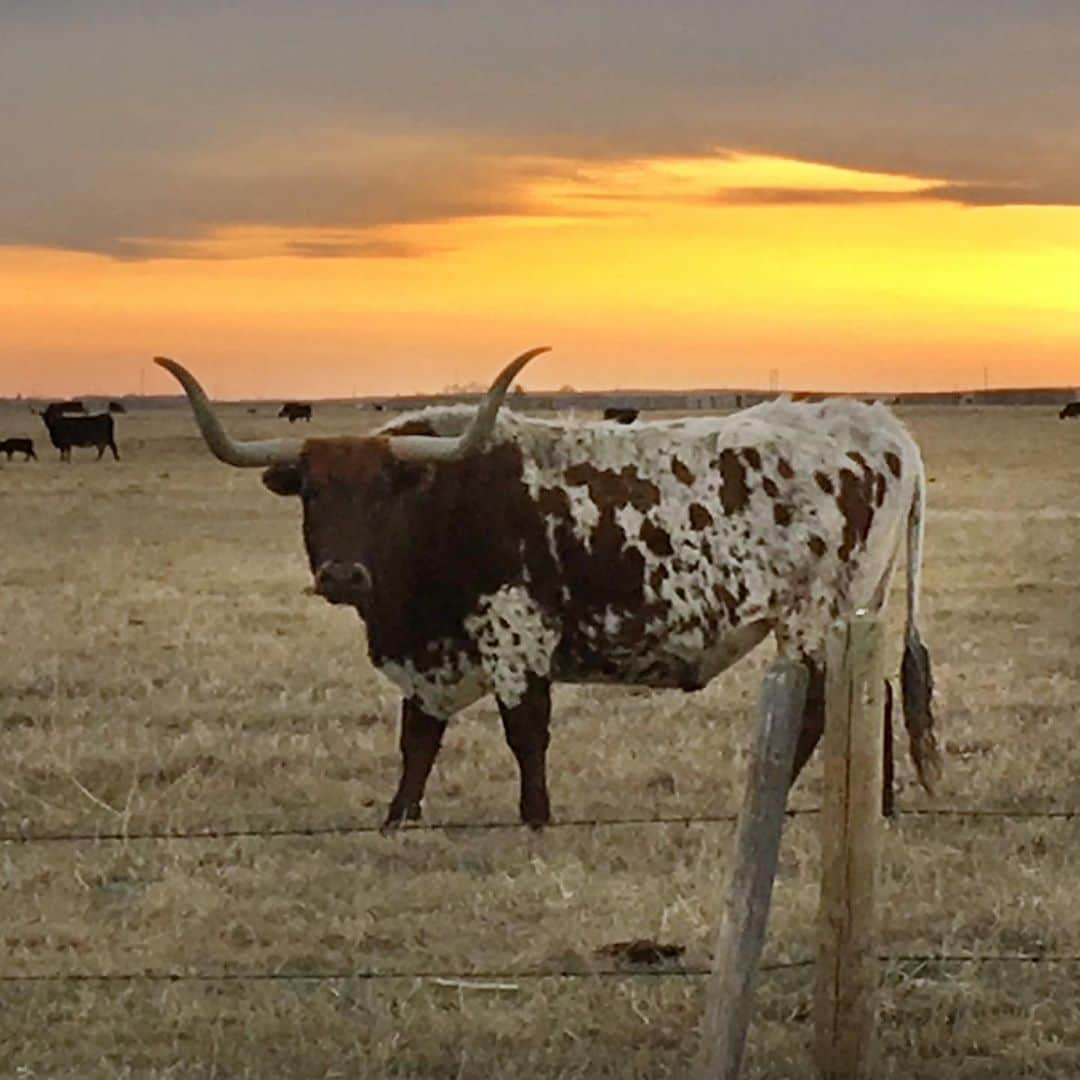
[
  {"x": 964, "y": 812},
  {"x": 503, "y": 977},
  {"x": 375, "y": 976},
  {"x": 351, "y": 828},
  {"x": 355, "y": 828}
]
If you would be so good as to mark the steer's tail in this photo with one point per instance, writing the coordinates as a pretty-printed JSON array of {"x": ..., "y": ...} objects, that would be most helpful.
[{"x": 917, "y": 680}]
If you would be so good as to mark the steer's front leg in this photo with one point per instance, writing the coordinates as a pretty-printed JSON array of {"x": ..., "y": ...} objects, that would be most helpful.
[
  {"x": 421, "y": 737},
  {"x": 526, "y": 724}
]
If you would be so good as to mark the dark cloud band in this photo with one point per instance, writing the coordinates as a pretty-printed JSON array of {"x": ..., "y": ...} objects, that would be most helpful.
[{"x": 137, "y": 130}]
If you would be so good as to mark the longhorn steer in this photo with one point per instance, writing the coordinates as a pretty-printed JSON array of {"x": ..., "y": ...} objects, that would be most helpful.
[{"x": 490, "y": 552}]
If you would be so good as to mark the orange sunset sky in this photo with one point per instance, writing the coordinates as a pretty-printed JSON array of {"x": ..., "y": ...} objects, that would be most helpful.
[{"x": 325, "y": 199}]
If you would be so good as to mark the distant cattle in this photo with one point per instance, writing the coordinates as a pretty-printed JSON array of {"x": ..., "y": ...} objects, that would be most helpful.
[
  {"x": 295, "y": 410},
  {"x": 18, "y": 446},
  {"x": 117, "y": 407},
  {"x": 68, "y": 431},
  {"x": 1070, "y": 410},
  {"x": 621, "y": 416},
  {"x": 491, "y": 552}
]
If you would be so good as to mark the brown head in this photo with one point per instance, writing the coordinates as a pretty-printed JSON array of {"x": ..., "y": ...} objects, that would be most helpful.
[
  {"x": 352, "y": 491},
  {"x": 358, "y": 493}
]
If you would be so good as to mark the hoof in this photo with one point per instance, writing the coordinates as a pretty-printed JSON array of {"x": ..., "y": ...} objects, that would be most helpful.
[
  {"x": 536, "y": 816},
  {"x": 397, "y": 817}
]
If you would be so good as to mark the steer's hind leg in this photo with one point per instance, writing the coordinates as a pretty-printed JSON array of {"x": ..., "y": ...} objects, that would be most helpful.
[
  {"x": 813, "y": 726},
  {"x": 888, "y": 768},
  {"x": 526, "y": 725},
  {"x": 813, "y": 721},
  {"x": 421, "y": 737}
]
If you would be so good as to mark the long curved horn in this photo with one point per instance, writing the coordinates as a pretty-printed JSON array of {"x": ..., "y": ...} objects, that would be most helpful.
[
  {"x": 432, "y": 448},
  {"x": 244, "y": 455}
]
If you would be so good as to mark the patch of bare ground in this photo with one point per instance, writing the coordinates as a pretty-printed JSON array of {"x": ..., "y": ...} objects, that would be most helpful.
[{"x": 163, "y": 670}]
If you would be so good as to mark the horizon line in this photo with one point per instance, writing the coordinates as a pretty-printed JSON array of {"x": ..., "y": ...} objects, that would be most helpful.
[{"x": 469, "y": 395}]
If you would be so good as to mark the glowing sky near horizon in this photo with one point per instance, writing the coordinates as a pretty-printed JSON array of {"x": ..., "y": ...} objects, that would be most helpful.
[{"x": 920, "y": 232}]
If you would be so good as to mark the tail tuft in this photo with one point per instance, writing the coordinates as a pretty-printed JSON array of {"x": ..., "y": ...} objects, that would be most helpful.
[{"x": 917, "y": 681}]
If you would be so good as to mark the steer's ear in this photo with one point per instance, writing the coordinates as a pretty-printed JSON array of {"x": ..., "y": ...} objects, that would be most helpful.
[{"x": 282, "y": 479}]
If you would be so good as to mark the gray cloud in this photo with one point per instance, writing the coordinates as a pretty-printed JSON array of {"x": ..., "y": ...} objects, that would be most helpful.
[
  {"x": 770, "y": 196},
  {"x": 964, "y": 194},
  {"x": 136, "y": 129},
  {"x": 358, "y": 249},
  {"x": 1003, "y": 195}
]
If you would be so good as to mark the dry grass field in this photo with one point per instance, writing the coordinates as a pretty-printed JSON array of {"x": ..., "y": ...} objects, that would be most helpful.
[{"x": 162, "y": 669}]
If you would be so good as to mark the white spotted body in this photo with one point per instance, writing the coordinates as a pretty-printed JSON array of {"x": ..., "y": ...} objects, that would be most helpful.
[{"x": 779, "y": 518}]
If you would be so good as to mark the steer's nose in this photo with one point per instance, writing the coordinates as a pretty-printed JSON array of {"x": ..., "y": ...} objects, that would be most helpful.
[{"x": 342, "y": 582}]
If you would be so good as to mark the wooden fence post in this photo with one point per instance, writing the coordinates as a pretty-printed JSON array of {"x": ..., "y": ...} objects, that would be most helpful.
[
  {"x": 848, "y": 970},
  {"x": 729, "y": 996}
]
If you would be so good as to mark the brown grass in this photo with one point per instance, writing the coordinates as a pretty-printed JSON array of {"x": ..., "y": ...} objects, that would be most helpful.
[{"x": 162, "y": 669}]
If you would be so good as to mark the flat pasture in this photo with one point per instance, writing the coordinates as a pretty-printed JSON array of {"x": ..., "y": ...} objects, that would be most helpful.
[{"x": 163, "y": 670}]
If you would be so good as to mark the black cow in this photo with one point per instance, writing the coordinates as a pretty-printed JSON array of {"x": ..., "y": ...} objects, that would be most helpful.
[
  {"x": 621, "y": 416},
  {"x": 117, "y": 407},
  {"x": 18, "y": 446},
  {"x": 1071, "y": 410},
  {"x": 68, "y": 431},
  {"x": 295, "y": 410}
]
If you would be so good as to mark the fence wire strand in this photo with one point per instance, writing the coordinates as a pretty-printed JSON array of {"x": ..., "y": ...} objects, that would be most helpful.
[
  {"x": 503, "y": 978},
  {"x": 358, "y": 829}
]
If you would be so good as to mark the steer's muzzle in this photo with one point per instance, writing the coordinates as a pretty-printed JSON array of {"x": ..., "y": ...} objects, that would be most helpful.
[{"x": 343, "y": 582}]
